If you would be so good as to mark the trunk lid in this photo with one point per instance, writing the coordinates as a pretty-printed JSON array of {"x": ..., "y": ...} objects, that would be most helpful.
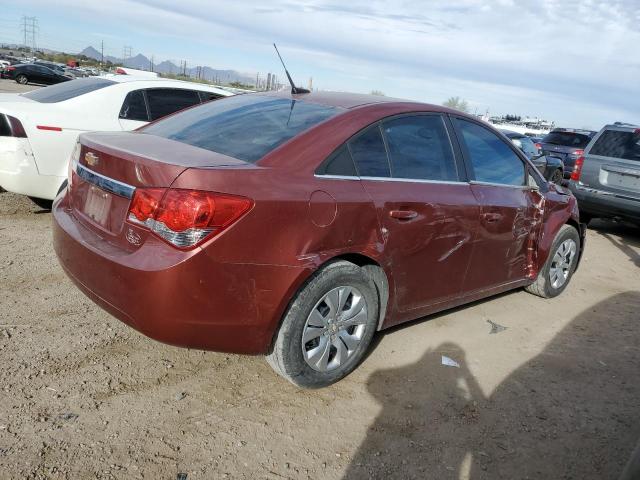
[
  {"x": 111, "y": 166},
  {"x": 612, "y": 163}
]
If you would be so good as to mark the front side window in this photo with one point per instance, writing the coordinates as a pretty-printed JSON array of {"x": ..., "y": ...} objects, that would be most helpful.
[
  {"x": 165, "y": 101},
  {"x": 246, "y": 127},
  {"x": 419, "y": 148},
  {"x": 369, "y": 153},
  {"x": 134, "y": 107},
  {"x": 618, "y": 144},
  {"x": 492, "y": 159},
  {"x": 526, "y": 145}
]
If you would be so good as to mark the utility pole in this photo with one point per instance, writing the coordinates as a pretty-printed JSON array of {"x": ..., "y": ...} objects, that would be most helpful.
[
  {"x": 101, "y": 53},
  {"x": 126, "y": 53},
  {"x": 29, "y": 26},
  {"x": 152, "y": 63}
]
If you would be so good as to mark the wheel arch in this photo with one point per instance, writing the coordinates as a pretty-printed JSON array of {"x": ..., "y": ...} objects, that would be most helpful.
[{"x": 369, "y": 266}]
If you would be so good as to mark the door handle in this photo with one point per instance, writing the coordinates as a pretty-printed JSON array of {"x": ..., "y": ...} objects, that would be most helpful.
[
  {"x": 403, "y": 214},
  {"x": 492, "y": 217}
]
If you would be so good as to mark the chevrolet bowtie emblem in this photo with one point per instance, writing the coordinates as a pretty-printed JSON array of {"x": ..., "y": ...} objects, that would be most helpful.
[{"x": 91, "y": 158}]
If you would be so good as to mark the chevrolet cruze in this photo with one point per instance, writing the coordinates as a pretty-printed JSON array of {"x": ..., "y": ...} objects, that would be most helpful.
[{"x": 298, "y": 225}]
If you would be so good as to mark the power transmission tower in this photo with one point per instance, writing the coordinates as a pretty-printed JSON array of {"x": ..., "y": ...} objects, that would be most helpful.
[
  {"x": 29, "y": 27},
  {"x": 101, "y": 53},
  {"x": 126, "y": 53}
]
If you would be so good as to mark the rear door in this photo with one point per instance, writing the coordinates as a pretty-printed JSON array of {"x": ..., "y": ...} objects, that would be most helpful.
[
  {"x": 427, "y": 212},
  {"x": 612, "y": 162},
  {"x": 508, "y": 212}
]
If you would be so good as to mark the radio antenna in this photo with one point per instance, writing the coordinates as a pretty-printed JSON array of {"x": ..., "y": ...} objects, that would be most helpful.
[{"x": 294, "y": 90}]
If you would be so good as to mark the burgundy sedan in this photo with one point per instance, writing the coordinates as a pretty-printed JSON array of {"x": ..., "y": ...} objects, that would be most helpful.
[{"x": 296, "y": 226}]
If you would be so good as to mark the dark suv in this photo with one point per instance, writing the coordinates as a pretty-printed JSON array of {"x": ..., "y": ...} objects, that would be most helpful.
[
  {"x": 606, "y": 180},
  {"x": 567, "y": 144}
]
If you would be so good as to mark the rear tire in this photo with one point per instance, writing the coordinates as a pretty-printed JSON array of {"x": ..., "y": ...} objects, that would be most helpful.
[
  {"x": 22, "y": 79},
  {"x": 42, "y": 203},
  {"x": 337, "y": 313},
  {"x": 557, "y": 271}
]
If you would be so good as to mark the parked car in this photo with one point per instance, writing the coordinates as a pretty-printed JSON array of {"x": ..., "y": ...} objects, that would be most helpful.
[
  {"x": 551, "y": 167},
  {"x": 606, "y": 179},
  {"x": 297, "y": 226},
  {"x": 32, "y": 73},
  {"x": 567, "y": 144},
  {"x": 45, "y": 123}
]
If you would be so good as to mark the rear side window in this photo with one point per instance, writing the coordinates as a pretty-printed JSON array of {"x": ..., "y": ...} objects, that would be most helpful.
[
  {"x": 339, "y": 163},
  {"x": 567, "y": 139},
  {"x": 208, "y": 96},
  {"x": 134, "y": 107},
  {"x": 617, "y": 144},
  {"x": 68, "y": 90},
  {"x": 246, "y": 127},
  {"x": 369, "y": 153},
  {"x": 164, "y": 101},
  {"x": 492, "y": 159},
  {"x": 419, "y": 148}
]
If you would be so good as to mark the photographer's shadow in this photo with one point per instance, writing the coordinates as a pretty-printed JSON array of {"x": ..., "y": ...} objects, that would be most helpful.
[{"x": 570, "y": 412}]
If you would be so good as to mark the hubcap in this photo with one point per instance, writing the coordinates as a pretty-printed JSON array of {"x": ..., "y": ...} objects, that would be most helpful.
[
  {"x": 334, "y": 329},
  {"x": 561, "y": 263}
]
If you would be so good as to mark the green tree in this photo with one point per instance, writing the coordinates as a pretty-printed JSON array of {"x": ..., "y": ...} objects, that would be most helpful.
[
  {"x": 377, "y": 92},
  {"x": 457, "y": 103}
]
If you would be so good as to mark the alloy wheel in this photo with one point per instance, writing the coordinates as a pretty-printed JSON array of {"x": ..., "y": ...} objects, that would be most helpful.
[
  {"x": 562, "y": 262},
  {"x": 334, "y": 329}
]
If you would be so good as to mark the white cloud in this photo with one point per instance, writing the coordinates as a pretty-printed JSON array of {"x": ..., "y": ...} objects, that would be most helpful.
[{"x": 571, "y": 60}]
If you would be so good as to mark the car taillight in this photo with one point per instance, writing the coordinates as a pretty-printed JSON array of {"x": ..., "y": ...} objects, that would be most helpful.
[
  {"x": 577, "y": 169},
  {"x": 12, "y": 127},
  {"x": 185, "y": 218},
  {"x": 578, "y": 153},
  {"x": 538, "y": 146},
  {"x": 10, "y": 69}
]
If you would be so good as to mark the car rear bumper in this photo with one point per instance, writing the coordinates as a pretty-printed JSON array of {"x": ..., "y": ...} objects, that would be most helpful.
[
  {"x": 186, "y": 299},
  {"x": 19, "y": 172},
  {"x": 606, "y": 204}
]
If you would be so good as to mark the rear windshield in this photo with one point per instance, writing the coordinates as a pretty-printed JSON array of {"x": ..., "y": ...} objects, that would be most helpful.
[
  {"x": 616, "y": 144},
  {"x": 67, "y": 90},
  {"x": 567, "y": 139},
  {"x": 246, "y": 127}
]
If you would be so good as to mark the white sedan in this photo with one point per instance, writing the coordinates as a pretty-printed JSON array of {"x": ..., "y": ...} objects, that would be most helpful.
[{"x": 39, "y": 129}]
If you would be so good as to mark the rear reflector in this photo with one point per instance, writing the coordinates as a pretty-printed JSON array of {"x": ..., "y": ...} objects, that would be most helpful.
[
  {"x": 185, "y": 218},
  {"x": 46, "y": 127},
  {"x": 577, "y": 169}
]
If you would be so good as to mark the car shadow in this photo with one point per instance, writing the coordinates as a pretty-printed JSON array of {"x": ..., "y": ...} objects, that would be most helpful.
[
  {"x": 569, "y": 412},
  {"x": 628, "y": 233}
]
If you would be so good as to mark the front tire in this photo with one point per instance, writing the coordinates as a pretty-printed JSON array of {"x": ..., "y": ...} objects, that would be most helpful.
[
  {"x": 327, "y": 328},
  {"x": 557, "y": 177},
  {"x": 22, "y": 79},
  {"x": 557, "y": 271}
]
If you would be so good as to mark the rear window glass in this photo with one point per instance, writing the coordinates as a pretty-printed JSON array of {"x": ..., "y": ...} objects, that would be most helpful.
[
  {"x": 246, "y": 127},
  {"x": 567, "y": 139},
  {"x": 616, "y": 144},
  {"x": 67, "y": 90}
]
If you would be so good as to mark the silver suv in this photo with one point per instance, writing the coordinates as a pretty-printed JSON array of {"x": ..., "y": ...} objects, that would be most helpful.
[{"x": 606, "y": 180}]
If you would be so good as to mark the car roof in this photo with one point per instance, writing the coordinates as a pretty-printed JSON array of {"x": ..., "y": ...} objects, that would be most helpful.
[
  {"x": 159, "y": 81},
  {"x": 574, "y": 130},
  {"x": 338, "y": 99}
]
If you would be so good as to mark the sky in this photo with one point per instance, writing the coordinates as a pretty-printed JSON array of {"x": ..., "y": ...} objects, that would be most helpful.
[{"x": 574, "y": 62}]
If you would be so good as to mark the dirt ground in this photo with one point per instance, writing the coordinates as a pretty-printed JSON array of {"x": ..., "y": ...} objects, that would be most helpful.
[{"x": 555, "y": 395}]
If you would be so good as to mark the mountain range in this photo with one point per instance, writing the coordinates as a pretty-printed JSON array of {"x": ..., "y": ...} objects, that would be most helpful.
[{"x": 141, "y": 62}]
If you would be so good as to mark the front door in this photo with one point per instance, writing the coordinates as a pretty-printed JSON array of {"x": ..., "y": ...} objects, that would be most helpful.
[
  {"x": 507, "y": 208},
  {"x": 426, "y": 208}
]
